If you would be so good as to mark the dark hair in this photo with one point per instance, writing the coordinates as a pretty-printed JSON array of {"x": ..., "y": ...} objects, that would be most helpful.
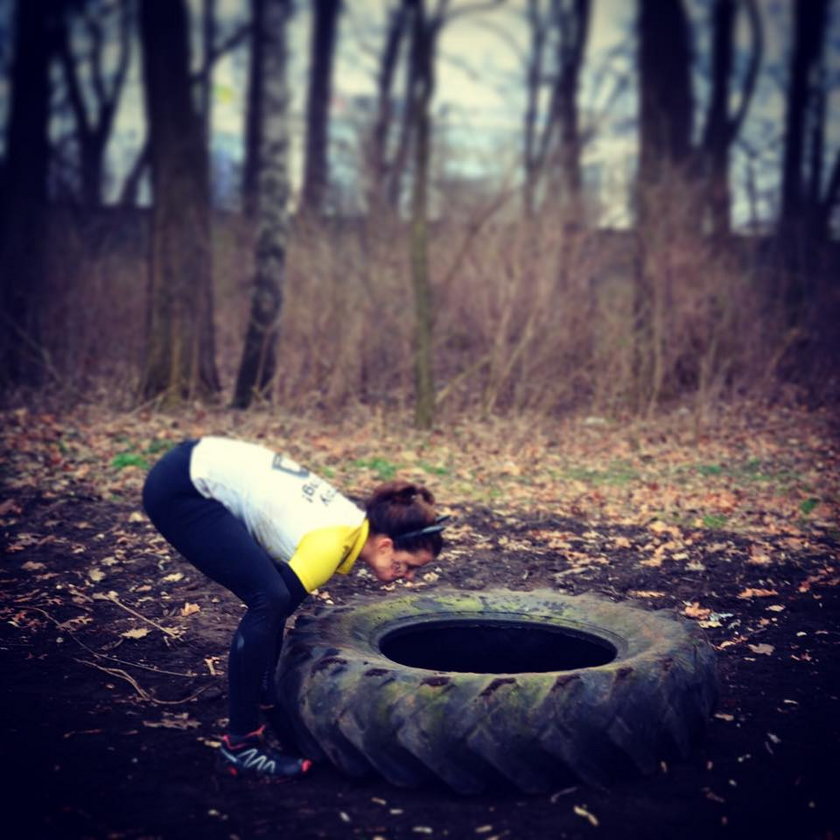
[{"x": 398, "y": 508}]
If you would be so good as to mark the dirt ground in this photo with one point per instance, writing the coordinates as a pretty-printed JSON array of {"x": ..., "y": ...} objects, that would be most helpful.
[{"x": 112, "y": 649}]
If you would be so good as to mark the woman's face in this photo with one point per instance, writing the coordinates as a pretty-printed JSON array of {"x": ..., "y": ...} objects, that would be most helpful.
[{"x": 389, "y": 563}]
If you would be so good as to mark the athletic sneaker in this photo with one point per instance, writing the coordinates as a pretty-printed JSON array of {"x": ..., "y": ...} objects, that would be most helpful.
[{"x": 251, "y": 756}]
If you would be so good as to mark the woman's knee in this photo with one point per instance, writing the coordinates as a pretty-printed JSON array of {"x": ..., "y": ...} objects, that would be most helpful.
[{"x": 272, "y": 601}]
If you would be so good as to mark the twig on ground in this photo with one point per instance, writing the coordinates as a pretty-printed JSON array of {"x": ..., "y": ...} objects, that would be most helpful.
[
  {"x": 62, "y": 626},
  {"x": 144, "y": 695},
  {"x": 173, "y": 634}
]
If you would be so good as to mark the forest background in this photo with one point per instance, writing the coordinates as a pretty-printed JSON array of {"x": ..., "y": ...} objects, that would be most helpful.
[
  {"x": 588, "y": 248},
  {"x": 654, "y": 224}
]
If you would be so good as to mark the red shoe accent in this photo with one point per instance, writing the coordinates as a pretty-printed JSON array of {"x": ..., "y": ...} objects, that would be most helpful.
[{"x": 305, "y": 765}]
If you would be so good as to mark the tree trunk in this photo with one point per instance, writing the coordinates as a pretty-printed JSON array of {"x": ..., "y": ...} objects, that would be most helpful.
[
  {"x": 533, "y": 86},
  {"x": 810, "y": 19},
  {"x": 180, "y": 358},
  {"x": 208, "y": 37},
  {"x": 574, "y": 33},
  {"x": 258, "y": 365},
  {"x": 253, "y": 113},
  {"x": 721, "y": 127},
  {"x": 555, "y": 150},
  {"x": 799, "y": 223},
  {"x": 316, "y": 171},
  {"x": 94, "y": 114},
  {"x": 421, "y": 88},
  {"x": 665, "y": 118},
  {"x": 665, "y": 97},
  {"x": 23, "y": 199},
  {"x": 379, "y": 167}
]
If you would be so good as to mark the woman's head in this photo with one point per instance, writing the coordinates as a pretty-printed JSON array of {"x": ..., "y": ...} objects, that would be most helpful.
[{"x": 405, "y": 533}]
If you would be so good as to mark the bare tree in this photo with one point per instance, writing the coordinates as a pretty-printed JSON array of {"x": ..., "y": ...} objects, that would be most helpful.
[
  {"x": 253, "y": 111},
  {"x": 666, "y": 102},
  {"x": 94, "y": 103},
  {"x": 559, "y": 31},
  {"x": 213, "y": 50},
  {"x": 208, "y": 38},
  {"x": 258, "y": 365},
  {"x": 180, "y": 357},
  {"x": 721, "y": 126},
  {"x": 666, "y": 107},
  {"x": 380, "y": 166},
  {"x": 322, "y": 59},
  {"x": 424, "y": 33},
  {"x": 802, "y": 168},
  {"x": 23, "y": 196}
]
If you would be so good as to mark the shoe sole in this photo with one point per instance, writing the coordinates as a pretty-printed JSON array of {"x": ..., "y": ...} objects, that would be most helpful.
[{"x": 237, "y": 773}]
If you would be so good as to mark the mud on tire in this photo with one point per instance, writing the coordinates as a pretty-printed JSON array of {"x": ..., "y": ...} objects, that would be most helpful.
[{"x": 560, "y": 721}]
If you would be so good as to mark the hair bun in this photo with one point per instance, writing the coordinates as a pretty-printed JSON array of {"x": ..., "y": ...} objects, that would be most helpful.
[{"x": 406, "y": 495}]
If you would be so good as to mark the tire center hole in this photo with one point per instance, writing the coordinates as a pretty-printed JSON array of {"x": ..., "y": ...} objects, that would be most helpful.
[{"x": 495, "y": 647}]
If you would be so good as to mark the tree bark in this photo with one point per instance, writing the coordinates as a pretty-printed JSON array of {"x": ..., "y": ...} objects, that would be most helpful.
[
  {"x": 555, "y": 150},
  {"x": 322, "y": 55},
  {"x": 258, "y": 365},
  {"x": 180, "y": 355},
  {"x": 253, "y": 115},
  {"x": 23, "y": 198},
  {"x": 208, "y": 33},
  {"x": 721, "y": 127},
  {"x": 380, "y": 169},
  {"x": 93, "y": 125},
  {"x": 421, "y": 73},
  {"x": 809, "y": 26},
  {"x": 665, "y": 97},
  {"x": 574, "y": 33},
  {"x": 665, "y": 119}
]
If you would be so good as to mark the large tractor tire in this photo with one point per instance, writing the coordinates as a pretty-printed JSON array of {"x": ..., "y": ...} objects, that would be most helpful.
[{"x": 533, "y": 689}]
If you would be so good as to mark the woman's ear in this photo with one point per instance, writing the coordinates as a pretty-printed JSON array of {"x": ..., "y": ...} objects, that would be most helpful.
[{"x": 383, "y": 544}]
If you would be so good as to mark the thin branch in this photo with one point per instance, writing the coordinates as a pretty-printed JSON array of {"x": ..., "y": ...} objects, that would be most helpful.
[
  {"x": 144, "y": 695},
  {"x": 62, "y": 625},
  {"x": 738, "y": 117},
  {"x": 469, "y": 9},
  {"x": 173, "y": 634}
]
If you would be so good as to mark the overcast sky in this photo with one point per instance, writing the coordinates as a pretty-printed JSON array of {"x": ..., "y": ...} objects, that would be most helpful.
[{"x": 480, "y": 74}]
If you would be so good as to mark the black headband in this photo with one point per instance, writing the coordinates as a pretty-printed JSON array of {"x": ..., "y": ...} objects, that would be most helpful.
[{"x": 435, "y": 528}]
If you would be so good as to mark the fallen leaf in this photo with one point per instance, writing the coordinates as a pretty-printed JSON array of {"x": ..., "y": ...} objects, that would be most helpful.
[
  {"x": 96, "y": 575},
  {"x": 762, "y": 648},
  {"x": 32, "y": 566},
  {"x": 694, "y": 610},
  {"x": 136, "y": 633},
  {"x": 182, "y": 721},
  {"x": 757, "y": 593},
  {"x": 758, "y": 557},
  {"x": 189, "y": 609},
  {"x": 9, "y": 506},
  {"x": 582, "y": 812}
]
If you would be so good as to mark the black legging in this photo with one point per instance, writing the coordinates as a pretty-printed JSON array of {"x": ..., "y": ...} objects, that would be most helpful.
[{"x": 207, "y": 534}]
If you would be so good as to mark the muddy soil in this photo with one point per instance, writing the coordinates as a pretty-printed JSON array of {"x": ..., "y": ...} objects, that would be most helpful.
[{"x": 112, "y": 659}]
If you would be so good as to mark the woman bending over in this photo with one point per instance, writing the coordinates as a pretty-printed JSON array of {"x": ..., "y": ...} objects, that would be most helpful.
[{"x": 270, "y": 531}]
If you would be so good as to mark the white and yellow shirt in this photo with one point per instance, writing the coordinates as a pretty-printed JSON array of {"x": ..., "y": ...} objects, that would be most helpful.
[{"x": 296, "y": 516}]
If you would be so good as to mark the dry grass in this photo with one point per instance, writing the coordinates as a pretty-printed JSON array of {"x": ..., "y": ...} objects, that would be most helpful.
[{"x": 530, "y": 318}]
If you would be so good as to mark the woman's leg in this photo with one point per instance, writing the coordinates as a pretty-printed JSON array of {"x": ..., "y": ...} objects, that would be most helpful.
[{"x": 219, "y": 545}]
